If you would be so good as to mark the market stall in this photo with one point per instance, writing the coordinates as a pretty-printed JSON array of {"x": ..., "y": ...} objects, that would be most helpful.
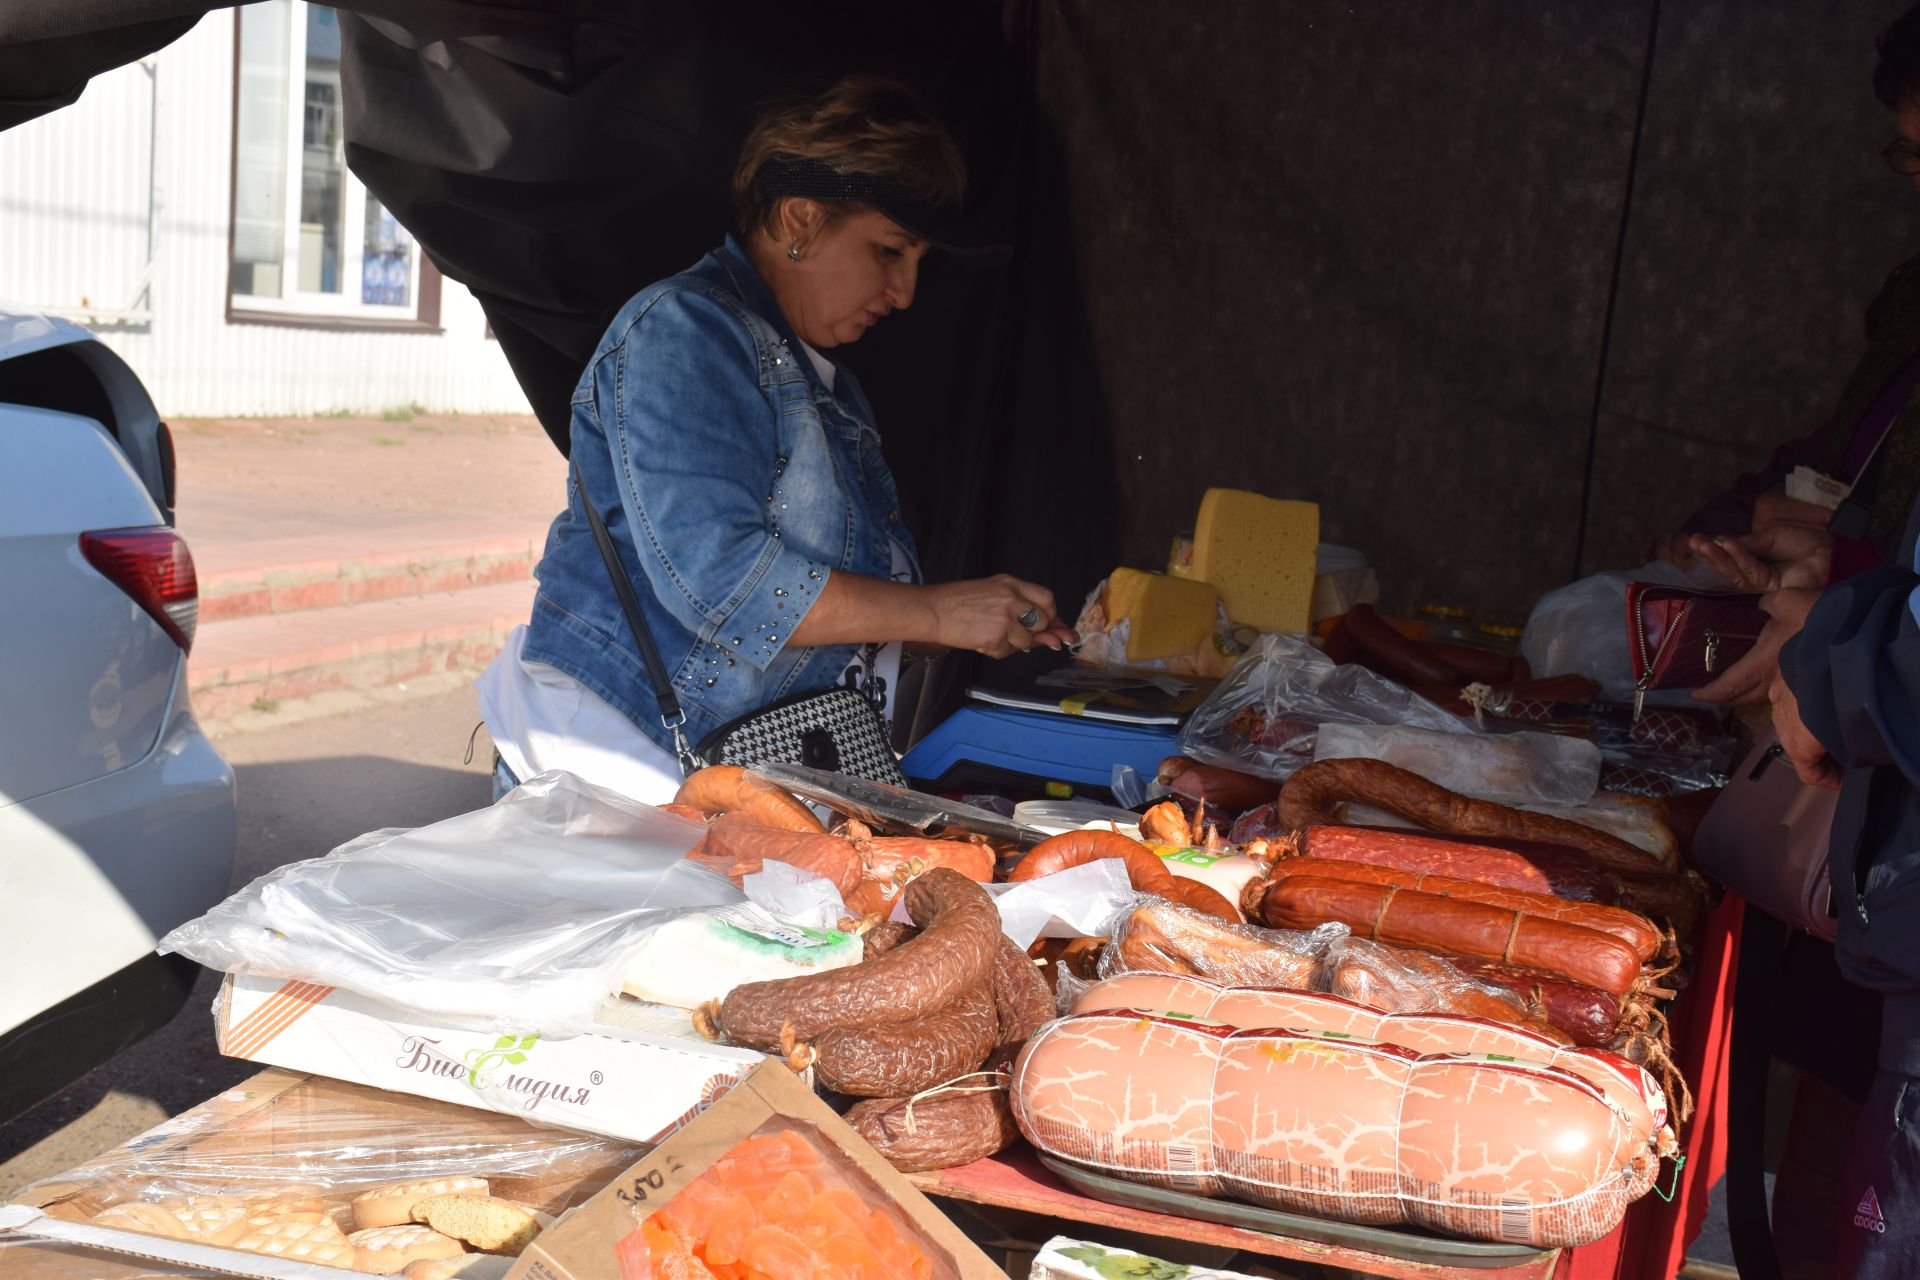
[{"x": 1355, "y": 940}]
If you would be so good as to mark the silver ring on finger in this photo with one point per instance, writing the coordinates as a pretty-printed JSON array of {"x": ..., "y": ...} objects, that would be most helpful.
[{"x": 1030, "y": 619}]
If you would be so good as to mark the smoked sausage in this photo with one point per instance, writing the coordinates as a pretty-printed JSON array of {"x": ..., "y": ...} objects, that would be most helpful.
[
  {"x": 1588, "y": 1016},
  {"x": 1204, "y": 899},
  {"x": 735, "y": 846},
  {"x": 1527, "y": 866},
  {"x": 1022, "y": 999},
  {"x": 883, "y": 856},
  {"x": 959, "y": 935},
  {"x": 1310, "y": 794},
  {"x": 1163, "y": 938},
  {"x": 1230, "y": 789},
  {"x": 1077, "y": 848},
  {"x": 1410, "y": 918},
  {"x": 1391, "y": 654},
  {"x": 727, "y": 788},
  {"x": 905, "y": 1057},
  {"x": 1635, "y": 930},
  {"x": 939, "y": 1131}
]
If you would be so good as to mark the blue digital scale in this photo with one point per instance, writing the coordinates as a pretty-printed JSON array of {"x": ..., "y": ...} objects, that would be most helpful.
[{"x": 994, "y": 748}]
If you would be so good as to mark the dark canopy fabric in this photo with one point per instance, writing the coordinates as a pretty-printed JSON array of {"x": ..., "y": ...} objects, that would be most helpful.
[{"x": 1506, "y": 285}]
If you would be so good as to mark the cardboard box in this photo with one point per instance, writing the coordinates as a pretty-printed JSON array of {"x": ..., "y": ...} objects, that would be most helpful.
[
  {"x": 581, "y": 1245},
  {"x": 621, "y": 1082}
]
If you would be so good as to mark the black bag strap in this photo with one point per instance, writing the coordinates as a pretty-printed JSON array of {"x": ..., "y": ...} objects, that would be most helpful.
[{"x": 672, "y": 717}]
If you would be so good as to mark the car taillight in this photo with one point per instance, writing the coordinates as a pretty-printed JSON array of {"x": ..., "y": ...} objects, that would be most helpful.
[{"x": 156, "y": 569}]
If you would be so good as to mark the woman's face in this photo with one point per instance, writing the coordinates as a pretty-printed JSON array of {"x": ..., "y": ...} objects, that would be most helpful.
[{"x": 849, "y": 275}]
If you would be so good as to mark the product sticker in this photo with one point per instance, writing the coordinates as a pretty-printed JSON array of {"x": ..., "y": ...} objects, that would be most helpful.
[
  {"x": 748, "y": 918},
  {"x": 1191, "y": 857}
]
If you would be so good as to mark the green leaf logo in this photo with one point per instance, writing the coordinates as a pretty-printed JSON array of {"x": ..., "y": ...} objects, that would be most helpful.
[
  {"x": 515, "y": 1059},
  {"x": 504, "y": 1042},
  {"x": 527, "y": 1042}
]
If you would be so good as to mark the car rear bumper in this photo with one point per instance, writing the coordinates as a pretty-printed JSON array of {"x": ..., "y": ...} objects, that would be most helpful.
[{"x": 93, "y": 874}]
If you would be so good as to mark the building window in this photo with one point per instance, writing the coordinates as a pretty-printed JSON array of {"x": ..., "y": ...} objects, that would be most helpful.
[{"x": 309, "y": 242}]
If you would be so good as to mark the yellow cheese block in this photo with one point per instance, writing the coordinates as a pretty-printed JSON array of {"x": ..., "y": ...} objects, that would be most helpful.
[
  {"x": 1260, "y": 553},
  {"x": 1166, "y": 617}
]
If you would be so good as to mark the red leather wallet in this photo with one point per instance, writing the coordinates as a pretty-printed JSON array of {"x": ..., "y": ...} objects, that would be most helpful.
[{"x": 1681, "y": 638}]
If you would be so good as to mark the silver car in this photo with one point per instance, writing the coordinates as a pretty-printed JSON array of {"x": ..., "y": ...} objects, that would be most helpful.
[{"x": 116, "y": 812}]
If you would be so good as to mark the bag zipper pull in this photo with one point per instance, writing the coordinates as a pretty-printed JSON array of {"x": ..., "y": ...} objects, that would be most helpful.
[
  {"x": 1713, "y": 647},
  {"x": 1639, "y": 698}
]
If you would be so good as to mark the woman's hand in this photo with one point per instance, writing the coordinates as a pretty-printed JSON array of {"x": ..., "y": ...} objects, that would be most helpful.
[
  {"x": 1774, "y": 508},
  {"x": 1782, "y": 557},
  {"x": 1758, "y": 670},
  {"x": 984, "y": 614},
  {"x": 1809, "y": 759},
  {"x": 1675, "y": 548}
]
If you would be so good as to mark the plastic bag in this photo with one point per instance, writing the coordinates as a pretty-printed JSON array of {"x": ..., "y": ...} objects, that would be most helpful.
[
  {"x": 1103, "y": 642},
  {"x": 1581, "y": 628},
  {"x": 1158, "y": 936},
  {"x": 1080, "y": 902},
  {"x": 892, "y": 810},
  {"x": 286, "y": 1137},
  {"x": 797, "y": 896},
  {"x": 1266, "y": 715},
  {"x": 780, "y": 1202},
  {"x": 517, "y": 917},
  {"x": 1508, "y": 768}
]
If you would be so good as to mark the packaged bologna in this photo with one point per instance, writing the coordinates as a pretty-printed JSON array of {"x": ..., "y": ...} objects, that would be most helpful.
[{"x": 1361, "y": 1130}]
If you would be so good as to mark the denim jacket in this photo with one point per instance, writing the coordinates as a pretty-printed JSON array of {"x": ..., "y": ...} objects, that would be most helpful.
[{"x": 734, "y": 485}]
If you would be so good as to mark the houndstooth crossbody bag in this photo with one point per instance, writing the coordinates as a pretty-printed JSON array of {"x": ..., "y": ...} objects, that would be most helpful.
[{"x": 839, "y": 730}]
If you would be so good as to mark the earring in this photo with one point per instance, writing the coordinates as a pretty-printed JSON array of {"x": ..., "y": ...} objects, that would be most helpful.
[{"x": 793, "y": 250}]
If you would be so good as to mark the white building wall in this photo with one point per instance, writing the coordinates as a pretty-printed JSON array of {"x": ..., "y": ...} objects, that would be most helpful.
[{"x": 74, "y": 237}]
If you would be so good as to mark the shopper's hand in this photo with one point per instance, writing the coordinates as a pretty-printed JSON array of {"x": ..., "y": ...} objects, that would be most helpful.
[
  {"x": 983, "y": 614},
  {"x": 1784, "y": 557},
  {"x": 1810, "y": 760},
  {"x": 1749, "y": 679},
  {"x": 1675, "y": 548},
  {"x": 1775, "y": 508}
]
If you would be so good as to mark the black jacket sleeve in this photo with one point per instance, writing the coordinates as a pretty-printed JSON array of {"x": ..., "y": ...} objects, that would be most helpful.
[{"x": 1855, "y": 669}]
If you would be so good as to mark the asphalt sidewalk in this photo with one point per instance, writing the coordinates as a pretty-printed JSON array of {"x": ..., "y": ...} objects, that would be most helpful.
[{"x": 349, "y": 561}]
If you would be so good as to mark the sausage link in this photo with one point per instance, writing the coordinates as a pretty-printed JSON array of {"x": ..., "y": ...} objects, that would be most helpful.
[
  {"x": 1077, "y": 848},
  {"x": 883, "y": 856},
  {"x": 1395, "y": 981},
  {"x": 1232, "y": 790},
  {"x": 936, "y": 1132},
  {"x": 1202, "y": 898},
  {"x": 1528, "y": 866},
  {"x": 1163, "y": 938},
  {"x": 959, "y": 934},
  {"x": 736, "y": 845},
  {"x": 1409, "y": 918},
  {"x": 1022, "y": 998},
  {"x": 1310, "y": 794},
  {"x": 727, "y": 788},
  {"x": 1392, "y": 654},
  {"x": 1635, "y": 930},
  {"x": 906, "y": 1057},
  {"x": 1588, "y": 1016}
]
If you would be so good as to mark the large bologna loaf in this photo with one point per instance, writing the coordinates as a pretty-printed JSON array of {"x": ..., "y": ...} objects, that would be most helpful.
[{"x": 1358, "y": 1130}]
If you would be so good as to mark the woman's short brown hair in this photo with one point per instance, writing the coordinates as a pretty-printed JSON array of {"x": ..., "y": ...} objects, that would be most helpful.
[{"x": 864, "y": 124}]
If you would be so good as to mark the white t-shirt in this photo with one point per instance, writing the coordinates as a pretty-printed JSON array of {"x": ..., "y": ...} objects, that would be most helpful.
[{"x": 541, "y": 718}]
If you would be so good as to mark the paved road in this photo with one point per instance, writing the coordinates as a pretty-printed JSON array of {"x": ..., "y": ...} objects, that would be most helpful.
[{"x": 304, "y": 788}]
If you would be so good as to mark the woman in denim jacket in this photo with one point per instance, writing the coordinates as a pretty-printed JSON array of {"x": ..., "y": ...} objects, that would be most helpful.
[{"x": 739, "y": 472}]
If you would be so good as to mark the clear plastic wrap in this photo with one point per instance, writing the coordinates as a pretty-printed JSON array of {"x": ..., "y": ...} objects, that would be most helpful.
[
  {"x": 780, "y": 1202},
  {"x": 1478, "y": 1146},
  {"x": 1266, "y": 715},
  {"x": 517, "y": 917},
  {"x": 1158, "y": 936},
  {"x": 1524, "y": 768},
  {"x": 283, "y": 1141}
]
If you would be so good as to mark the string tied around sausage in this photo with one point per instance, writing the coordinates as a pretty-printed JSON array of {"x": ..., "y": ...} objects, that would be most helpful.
[
  {"x": 1481, "y": 698},
  {"x": 997, "y": 1082}
]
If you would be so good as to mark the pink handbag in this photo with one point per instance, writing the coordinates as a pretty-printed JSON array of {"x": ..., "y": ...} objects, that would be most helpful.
[{"x": 1765, "y": 838}]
